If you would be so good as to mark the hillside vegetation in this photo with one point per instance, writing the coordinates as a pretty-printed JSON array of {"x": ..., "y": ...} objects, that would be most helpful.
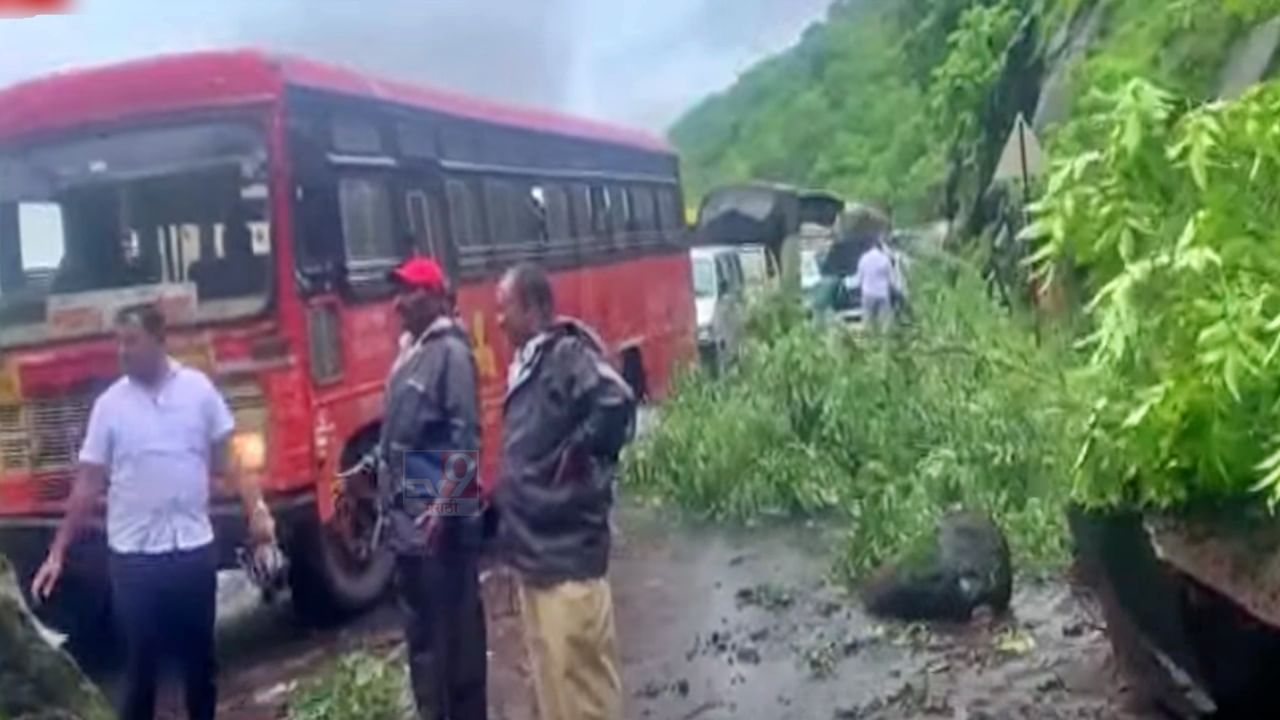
[{"x": 907, "y": 102}]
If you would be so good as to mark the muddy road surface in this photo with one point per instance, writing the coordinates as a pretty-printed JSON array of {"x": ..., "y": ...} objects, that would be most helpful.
[
  {"x": 742, "y": 624},
  {"x": 725, "y": 623}
]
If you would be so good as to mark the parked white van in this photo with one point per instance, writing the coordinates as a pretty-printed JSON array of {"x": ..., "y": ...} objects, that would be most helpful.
[{"x": 718, "y": 290}]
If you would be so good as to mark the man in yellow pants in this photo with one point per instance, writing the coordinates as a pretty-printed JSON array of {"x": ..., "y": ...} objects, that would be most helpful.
[{"x": 566, "y": 418}]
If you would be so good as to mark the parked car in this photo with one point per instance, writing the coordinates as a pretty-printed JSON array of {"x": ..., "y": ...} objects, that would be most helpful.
[
  {"x": 758, "y": 271},
  {"x": 719, "y": 295}
]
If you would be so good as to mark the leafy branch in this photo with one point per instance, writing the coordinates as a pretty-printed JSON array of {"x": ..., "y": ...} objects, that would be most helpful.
[{"x": 1176, "y": 225}]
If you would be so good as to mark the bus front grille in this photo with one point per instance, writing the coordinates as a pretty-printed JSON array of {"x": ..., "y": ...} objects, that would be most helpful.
[
  {"x": 44, "y": 435},
  {"x": 57, "y": 428},
  {"x": 13, "y": 439}
]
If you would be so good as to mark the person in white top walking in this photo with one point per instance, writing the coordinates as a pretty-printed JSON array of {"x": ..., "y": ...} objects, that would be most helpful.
[
  {"x": 155, "y": 440},
  {"x": 878, "y": 280}
]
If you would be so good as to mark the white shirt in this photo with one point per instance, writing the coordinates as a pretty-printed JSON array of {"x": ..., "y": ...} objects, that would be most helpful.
[
  {"x": 875, "y": 274},
  {"x": 156, "y": 445}
]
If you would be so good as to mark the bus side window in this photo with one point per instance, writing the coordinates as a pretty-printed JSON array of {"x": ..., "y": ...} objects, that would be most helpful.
[
  {"x": 462, "y": 212},
  {"x": 318, "y": 231},
  {"x": 642, "y": 206},
  {"x": 599, "y": 213},
  {"x": 356, "y": 135},
  {"x": 580, "y": 204},
  {"x": 619, "y": 210},
  {"x": 531, "y": 215},
  {"x": 498, "y": 207},
  {"x": 367, "y": 229},
  {"x": 425, "y": 223},
  {"x": 670, "y": 212},
  {"x": 559, "y": 228}
]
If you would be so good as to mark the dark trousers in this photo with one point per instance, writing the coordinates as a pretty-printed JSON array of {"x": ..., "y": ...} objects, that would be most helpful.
[
  {"x": 166, "y": 606},
  {"x": 445, "y": 630}
]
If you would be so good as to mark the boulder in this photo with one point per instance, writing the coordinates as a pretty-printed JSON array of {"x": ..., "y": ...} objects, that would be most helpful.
[
  {"x": 38, "y": 681},
  {"x": 961, "y": 567}
]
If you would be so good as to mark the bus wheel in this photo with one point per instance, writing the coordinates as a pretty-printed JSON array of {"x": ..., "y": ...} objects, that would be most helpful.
[
  {"x": 329, "y": 581},
  {"x": 335, "y": 571},
  {"x": 633, "y": 373}
]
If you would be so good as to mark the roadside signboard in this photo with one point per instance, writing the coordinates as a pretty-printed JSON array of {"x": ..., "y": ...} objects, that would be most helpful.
[{"x": 1022, "y": 157}]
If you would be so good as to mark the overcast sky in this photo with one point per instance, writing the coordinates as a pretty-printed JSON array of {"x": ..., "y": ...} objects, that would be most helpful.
[{"x": 637, "y": 62}]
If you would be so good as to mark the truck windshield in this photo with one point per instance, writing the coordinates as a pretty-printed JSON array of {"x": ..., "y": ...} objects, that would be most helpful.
[{"x": 88, "y": 225}]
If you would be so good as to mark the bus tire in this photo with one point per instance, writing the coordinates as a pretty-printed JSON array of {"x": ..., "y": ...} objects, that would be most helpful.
[
  {"x": 329, "y": 580},
  {"x": 325, "y": 588},
  {"x": 633, "y": 373}
]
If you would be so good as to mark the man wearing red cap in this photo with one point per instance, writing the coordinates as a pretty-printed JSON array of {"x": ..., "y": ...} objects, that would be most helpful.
[{"x": 431, "y": 410}]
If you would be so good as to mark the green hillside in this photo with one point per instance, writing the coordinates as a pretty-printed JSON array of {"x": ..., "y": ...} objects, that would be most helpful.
[{"x": 906, "y": 102}]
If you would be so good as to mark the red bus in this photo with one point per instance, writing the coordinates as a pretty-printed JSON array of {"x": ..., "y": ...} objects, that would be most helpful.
[{"x": 261, "y": 200}]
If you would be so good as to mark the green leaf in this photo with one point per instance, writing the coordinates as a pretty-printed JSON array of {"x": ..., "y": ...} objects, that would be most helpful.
[
  {"x": 1150, "y": 398},
  {"x": 1271, "y": 463},
  {"x": 1231, "y": 375},
  {"x": 1188, "y": 235}
]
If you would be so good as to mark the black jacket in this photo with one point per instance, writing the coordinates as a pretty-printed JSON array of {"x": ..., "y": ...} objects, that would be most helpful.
[
  {"x": 567, "y": 410},
  {"x": 431, "y": 406}
]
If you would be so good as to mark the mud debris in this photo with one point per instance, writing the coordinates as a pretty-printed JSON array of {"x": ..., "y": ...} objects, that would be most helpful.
[
  {"x": 773, "y": 598},
  {"x": 821, "y": 659},
  {"x": 656, "y": 689}
]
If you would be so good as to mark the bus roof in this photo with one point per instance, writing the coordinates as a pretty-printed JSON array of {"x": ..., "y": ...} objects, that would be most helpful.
[{"x": 196, "y": 80}]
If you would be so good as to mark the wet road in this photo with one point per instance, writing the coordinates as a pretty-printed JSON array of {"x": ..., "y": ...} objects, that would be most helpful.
[
  {"x": 742, "y": 624},
  {"x": 716, "y": 623}
]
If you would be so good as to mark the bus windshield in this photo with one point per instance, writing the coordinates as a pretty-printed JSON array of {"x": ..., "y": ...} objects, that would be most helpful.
[{"x": 101, "y": 221}]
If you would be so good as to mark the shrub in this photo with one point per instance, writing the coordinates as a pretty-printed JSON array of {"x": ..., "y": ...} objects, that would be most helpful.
[{"x": 358, "y": 686}]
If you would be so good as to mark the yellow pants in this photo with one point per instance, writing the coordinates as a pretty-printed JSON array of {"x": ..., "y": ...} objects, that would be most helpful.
[{"x": 573, "y": 647}]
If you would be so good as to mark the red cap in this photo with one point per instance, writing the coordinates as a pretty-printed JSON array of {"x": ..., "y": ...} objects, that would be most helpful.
[{"x": 421, "y": 273}]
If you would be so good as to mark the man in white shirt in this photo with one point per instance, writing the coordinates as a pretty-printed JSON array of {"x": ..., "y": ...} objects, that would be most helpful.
[
  {"x": 155, "y": 440},
  {"x": 877, "y": 279}
]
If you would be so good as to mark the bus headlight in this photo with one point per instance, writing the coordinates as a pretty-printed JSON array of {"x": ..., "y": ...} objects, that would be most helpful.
[
  {"x": 249, "y": 450},
  {"x": 249, "y": 442}
]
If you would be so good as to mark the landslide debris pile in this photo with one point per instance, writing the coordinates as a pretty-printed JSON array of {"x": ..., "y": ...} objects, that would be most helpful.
[{"x": 881, "y": 435}]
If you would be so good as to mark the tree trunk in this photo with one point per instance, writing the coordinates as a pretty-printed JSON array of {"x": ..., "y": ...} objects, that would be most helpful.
[{"x": 38, "y": 681}]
